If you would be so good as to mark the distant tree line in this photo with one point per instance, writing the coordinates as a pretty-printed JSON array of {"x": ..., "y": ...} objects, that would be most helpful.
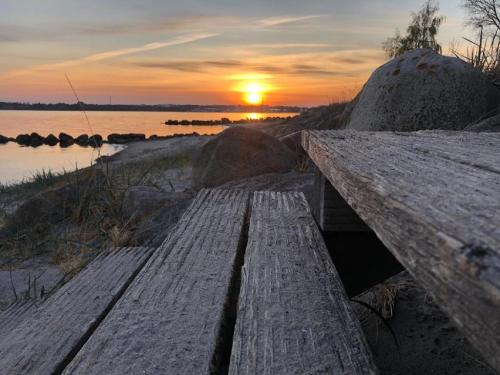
[{"x": 145, "y": 108}]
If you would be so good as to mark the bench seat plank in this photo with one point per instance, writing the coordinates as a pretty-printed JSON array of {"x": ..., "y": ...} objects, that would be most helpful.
[
  {"x": 433, "y": 198},
  {"x": 15, "y": 314},
  {"x": 171, "y": 317},
  {"x": 293, "y": 316},
  {"x": 46, "y": 339}
]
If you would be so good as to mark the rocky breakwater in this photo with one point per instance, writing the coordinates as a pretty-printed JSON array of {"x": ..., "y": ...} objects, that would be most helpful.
[
  {"x": 96, "y": 140},
  {"x": 225, "y": 121},
  {"x": 64, "y": 140},
  {"x": 125, "y": 138}
]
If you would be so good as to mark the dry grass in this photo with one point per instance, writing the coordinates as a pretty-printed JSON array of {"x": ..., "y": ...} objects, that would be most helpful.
[
  {"x": 386, "y": 299},
  {"x": 304, "y": 164},
  {"x": 87, "y": 212},
  {"x": 120, "y": 237},
  {"x": 69, "y": 261}
]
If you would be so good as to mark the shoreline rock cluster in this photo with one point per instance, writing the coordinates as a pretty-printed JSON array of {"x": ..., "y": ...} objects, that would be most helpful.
[
  {"x": 65, "y": 140},
  {"x": 224, "y": 121}
]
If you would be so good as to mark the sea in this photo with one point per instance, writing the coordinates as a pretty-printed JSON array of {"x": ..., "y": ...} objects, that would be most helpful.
[{"x": 20, "y": 163}]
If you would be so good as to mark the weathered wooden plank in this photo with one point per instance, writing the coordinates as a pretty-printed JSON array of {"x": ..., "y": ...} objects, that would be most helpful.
[
  {"x": 433, "y": 198},
  {"x": 293, "y": 315},
  {"x": 48, "y": 338},
  {"x": 332, "y": 213},
  {"x": 15, "y": 314},
  {"x": 171, "y": 320}
]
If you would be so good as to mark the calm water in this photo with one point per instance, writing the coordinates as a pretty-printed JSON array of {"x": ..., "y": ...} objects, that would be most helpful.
[
  {"x": 13, "y": 123},
  {"x": 18, "y": 163}
]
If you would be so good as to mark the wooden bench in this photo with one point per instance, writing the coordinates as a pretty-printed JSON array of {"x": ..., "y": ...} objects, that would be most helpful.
[
  {"x": 15, "y": 314},
  {"x": 433, "y": 198},
  {"x": 172, "y": 320},
  {"x": 41, "y": 338},
  {"x": 293, "y": 314},
  {"x": 176, "y": 314}
]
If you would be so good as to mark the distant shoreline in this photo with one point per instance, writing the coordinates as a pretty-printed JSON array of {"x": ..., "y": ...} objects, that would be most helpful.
[{"x": 58, "y": 107}]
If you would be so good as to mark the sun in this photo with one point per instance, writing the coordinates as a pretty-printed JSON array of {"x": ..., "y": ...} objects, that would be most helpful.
[
  {"x": 253, "y": 93},
  {"x": 253, "y": 98}
]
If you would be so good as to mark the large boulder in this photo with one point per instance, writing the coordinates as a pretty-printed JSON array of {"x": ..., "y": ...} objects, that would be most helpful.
[
  {"x": 423, "y": 90},
  {"x": 491, "y": 124},
  {"x": 240, "y": 153}
]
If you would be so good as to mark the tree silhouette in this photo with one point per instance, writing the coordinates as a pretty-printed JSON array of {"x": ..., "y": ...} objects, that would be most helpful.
[{"x": 421, "y": 32}]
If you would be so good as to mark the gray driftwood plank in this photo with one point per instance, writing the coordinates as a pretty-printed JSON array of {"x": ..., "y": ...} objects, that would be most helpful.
[
  {"x": 44, "y": 341},
  {"x": 293, "y": 315},
  {"x": 15, "y": 314},
  {"x": 171, "y": 318},
  {"x": 433, "y": 198}
]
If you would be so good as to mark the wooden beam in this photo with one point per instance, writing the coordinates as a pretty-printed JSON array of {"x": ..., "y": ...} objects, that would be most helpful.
[
  {"x": 174, "y": 318},
  {"x": 433, "y": 198},
  {"x": 361, "y": 260},
  {"x": 331, "y": 211},
  {"x": 293, "y": 314},
  {"x": 45, "y": 340}
]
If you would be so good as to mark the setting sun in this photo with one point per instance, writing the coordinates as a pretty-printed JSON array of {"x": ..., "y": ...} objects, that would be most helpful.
[
  {"x": 253, "y": 98},
  {"x": 253, "y": 93}
]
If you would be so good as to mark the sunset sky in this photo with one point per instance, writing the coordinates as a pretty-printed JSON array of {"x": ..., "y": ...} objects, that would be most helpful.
[{"x": 199, "y": 51}]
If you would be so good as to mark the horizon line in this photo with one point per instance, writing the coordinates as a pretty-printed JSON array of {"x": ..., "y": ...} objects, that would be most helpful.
[{"x": 156, "y": 104}]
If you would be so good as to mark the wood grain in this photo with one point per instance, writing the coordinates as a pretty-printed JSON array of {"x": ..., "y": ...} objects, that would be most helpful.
[
  {"x": 44, "y": 341},
  {"x": 293, "y": 315},
  {"x": 433, "y": 198},
  {"x": 170, "y": 319},
  {"x": 332, "y": 213},
  {"x": 15, "y": 314}
]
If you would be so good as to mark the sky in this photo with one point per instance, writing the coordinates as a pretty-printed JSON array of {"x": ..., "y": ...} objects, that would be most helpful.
[{"x": 286, "y": 52}]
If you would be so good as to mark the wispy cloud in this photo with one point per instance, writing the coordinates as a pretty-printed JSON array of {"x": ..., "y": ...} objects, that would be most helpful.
[
  {"x": 144, "y": 48},
  {"x": 281, "y": 20},
  {"x": 190, "y": 66},
  {"x": 207, "y": 66},
  {"x": 288, "y": 45},
  {"x": 183, "y": 22},
  {"x": 112, "y": 54}
]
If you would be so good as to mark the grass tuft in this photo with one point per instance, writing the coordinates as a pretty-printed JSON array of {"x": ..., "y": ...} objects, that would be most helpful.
[{"x": 70, "y": 214}]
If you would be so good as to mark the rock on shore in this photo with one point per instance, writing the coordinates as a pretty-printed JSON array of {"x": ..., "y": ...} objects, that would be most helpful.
[
  {"x": 65, "y": 140},
  {"x": 51, "y": 140},
  {"x": 23, "y": 139},
  {"x": 125, "y": 138},
  {"x": 239, "y": 153},
  {"x": 36, "y": 140},
  {"x": 95, "y": 140},
  {"x": 423, "y": 90},
  {"x": 491, "y": 124},
  {"x": 4, "y": 139},
  {"x": 82, "y": 140}
]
